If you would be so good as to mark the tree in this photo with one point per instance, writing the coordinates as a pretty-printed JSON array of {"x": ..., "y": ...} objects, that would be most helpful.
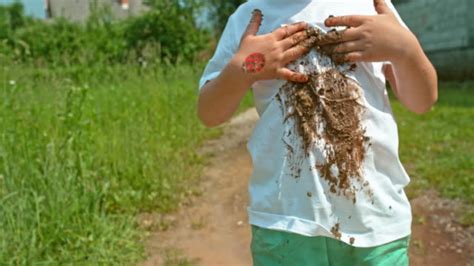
[
  {"x": 171, "y": 24},
  {"x": 219, "y": 12}
]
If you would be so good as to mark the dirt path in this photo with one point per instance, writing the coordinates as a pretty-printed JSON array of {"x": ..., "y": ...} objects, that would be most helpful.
[{"x": 212, "y": 229}]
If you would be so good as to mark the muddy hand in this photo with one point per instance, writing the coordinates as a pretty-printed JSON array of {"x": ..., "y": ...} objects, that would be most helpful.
[
  {"x": 264, "y": 57},
  {"x": 368, "y": 38}
]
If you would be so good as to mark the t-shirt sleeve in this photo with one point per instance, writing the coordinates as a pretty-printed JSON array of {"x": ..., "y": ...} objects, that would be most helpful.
[{"x": 225, "y": 50}]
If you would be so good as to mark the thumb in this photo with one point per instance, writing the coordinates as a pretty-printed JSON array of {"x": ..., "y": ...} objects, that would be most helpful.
[
  {"x": 254, "y": 24},
  {"x": 381, "y": 7}
]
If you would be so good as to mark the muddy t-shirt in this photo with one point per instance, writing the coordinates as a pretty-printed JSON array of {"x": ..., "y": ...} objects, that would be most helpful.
[{"x": 325, "y": 154}]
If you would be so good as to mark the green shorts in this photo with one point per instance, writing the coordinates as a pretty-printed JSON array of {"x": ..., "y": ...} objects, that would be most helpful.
[{"x": 271, "y": 247}]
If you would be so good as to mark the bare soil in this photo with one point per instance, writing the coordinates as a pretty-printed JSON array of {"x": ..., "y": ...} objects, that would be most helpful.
[{"x": 212, "y": 229}]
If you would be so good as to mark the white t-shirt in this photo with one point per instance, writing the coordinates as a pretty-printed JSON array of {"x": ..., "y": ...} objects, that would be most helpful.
[{"x": 304, "y": 205}]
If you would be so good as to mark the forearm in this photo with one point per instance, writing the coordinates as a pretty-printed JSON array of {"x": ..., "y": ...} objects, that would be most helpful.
[
  {"x": 220, "y": 97},
  {"x": 416, "y": 82}
]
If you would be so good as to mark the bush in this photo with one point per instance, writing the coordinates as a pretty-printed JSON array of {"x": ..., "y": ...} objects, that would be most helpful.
[
  {"x": 172, "y": 25},
  {"x": 11, "y": 18},
  {"x": 167, "y": 32}
]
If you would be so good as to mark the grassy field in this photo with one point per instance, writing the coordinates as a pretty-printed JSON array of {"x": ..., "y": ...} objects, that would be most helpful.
[
  {"x": 438, "y": 147},
  {"x": 80, "y": 156},
  {"x": 82, "y": 151}
]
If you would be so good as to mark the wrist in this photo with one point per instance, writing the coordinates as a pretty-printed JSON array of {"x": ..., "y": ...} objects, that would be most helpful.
[{"x": 237, "y": 67}]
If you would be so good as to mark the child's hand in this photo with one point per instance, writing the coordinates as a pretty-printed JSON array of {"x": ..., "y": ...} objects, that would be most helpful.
[
  {"x": 265, "y": 57},
  {"x": 371, "y": 38}
]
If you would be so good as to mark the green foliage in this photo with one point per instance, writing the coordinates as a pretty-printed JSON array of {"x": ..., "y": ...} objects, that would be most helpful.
[
  {"x": 172, "y": 26},
  {"x": 220, "y": 12},
  {"x": 11, "y": 18},
  {"x": 65, "y": 43},
  {"x": 167, "y": 32}
]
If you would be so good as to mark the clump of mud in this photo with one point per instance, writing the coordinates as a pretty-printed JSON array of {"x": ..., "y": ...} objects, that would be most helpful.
[
  {"x": 335, "y": 231},
  {"x": 326, "y": 112},
  {"x": 352, "y": 240}
]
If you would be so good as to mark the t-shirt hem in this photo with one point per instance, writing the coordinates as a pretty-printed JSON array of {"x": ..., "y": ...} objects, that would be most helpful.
[{"x": 305, "y": 227}]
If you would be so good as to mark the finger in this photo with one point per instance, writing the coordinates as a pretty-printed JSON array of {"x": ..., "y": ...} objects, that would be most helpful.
[
  {"x": 254, "y": 24},
  {"x": 381, "y": 7},
  {"x": 294, "y": 53},
  {"x": 341, "y": 58},
  {"x": 338, "y": 58},
  {"x": 294, "y": 40},
  {"x": 289, "y": 75},
  {"x": 310, "y": 42},
  {"x": 328, "y": 49},
  {"x": 347, "y": 47},
  {"x": 348, "y": 21},
  {"x": 288, "y": 30},
  {"x": 339, "y": 36},
  {"x": 354, "y": 56}
]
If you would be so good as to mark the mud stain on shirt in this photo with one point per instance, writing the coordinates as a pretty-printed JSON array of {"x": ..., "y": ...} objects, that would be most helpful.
[{"x": 326, "y": 113}]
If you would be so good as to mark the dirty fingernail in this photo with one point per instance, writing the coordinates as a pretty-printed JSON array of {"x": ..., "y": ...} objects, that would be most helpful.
[{"x": 330, "y": 18}]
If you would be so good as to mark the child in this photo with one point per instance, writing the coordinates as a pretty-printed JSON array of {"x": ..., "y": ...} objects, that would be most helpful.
[{"x": 327, "y": 186}]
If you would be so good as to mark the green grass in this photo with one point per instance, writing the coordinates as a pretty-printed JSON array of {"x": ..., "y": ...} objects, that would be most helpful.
[
  {"x": 438, "y": 148},
  {"x": 82, "y": 151}
]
